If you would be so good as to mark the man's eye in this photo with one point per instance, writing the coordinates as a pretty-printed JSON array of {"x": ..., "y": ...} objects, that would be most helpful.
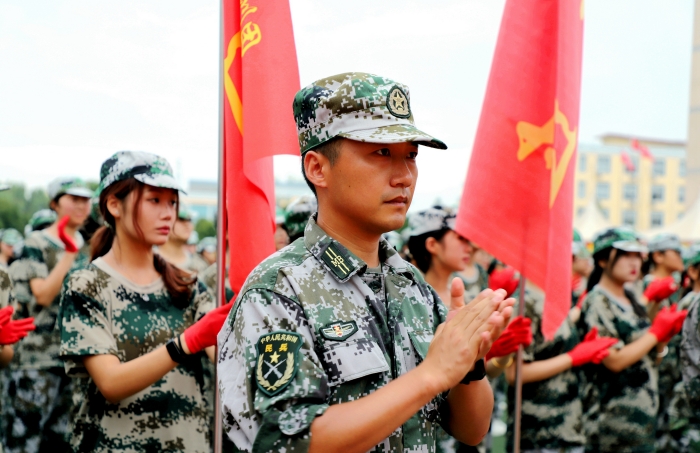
[{"x": 413, "y": 155}]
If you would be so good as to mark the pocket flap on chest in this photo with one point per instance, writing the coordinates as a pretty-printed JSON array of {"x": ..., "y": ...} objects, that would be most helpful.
[
  {"x": 348, "y": 360},
  {"x": 421, "y": 340}
]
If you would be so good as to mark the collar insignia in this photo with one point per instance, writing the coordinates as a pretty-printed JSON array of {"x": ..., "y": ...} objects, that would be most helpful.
[
  {"x": 337, "y": 260},
  {"x": 339, "y": 330},
  {"x": 277, "y": 360}
]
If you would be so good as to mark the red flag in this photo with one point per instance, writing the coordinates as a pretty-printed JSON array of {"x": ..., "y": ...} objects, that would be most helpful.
[
  {"x": 627, "y": 161},
  {"x": 518, "y": 196},
  {"x": 261, "y": 77},
  {"x": 643, "y": 150}
]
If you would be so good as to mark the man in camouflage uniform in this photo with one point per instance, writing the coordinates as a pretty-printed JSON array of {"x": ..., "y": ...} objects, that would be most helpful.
[
  {"x": 297, "y": 214},
  {"x": 38, "y": 397},
  {"x": 315, "y": 325}
]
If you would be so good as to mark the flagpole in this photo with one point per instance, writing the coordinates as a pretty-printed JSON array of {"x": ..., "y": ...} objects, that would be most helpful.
[
  {"x": 519, "y": 371},
  {"x": 220, "y": 231}
]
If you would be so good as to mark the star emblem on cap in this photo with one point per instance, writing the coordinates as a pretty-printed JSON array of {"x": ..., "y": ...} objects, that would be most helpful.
[{"x": 397, "y": 103}]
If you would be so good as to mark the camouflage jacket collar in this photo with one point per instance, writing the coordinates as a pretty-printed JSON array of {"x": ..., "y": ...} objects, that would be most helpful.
[{"x": 341, "y": 262}]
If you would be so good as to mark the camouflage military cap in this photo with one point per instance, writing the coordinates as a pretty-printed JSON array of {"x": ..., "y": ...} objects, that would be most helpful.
[
  {"x": 147, "y": 168},
  {"x": 10, "y": 236},
  {"x": 691, "y": 257},
  {"x": 665, "y": 241},
  {"x": 70, "y": 186},
  {"x": 432, "y": 219},
  {"x": 207, "y": 244},
  {"x": 358, "y": 106},
  {"x": 618, "y": 238},
  {"x": 298, "y": 212},
  {"x": 578, "y": 247},
  {"x": 193, "y": 239},
  {"x": 183, "y": 213},
  {"x": 41, "y": 219}
]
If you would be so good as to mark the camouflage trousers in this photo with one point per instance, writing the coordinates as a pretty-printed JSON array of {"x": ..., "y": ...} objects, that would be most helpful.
[{"x": 36, "y": 411}]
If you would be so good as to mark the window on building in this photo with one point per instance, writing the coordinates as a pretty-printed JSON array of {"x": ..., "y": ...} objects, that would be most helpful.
[
  {"x": 681, "y": 168},
  {"x": 657, "y": 193},
  {"x": 681, "y": 194},
  {"x": 629, "y": 217},
  {"x": 582, "y": 189},
  {"x": 603, "y": 164},
  {"x": 582, "y": 162},
  {"x": 657, "y": 219},
  {"x": 659, "y": 167},
  {"x": 630, "y": 192},
  {"x": 602, "y": 191}
]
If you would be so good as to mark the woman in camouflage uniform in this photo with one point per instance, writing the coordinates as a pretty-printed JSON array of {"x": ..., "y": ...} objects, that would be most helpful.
[
  {"x": 38, "y": 402},
  {"x": 621, "y": 398},
  {"x": 661, "y": 287},
  {"x": 129, "y": 319},
  {"x": 685, "y": 418},
  {"x": 551, "y": 413}
]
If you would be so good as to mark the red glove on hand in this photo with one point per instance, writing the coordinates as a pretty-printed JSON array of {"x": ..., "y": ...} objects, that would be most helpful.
[
  {"x": 580, "y": 299},
  {"x": 68, "y": 242},
  {"x": 504, "y": 279},
  {"x": 14, "y": 331},
  {"x": 660, "y": 289},
  {"x": 667, "y": 323},
  {"x": 517, "y": 333},
  {"x": 5, "y": 315},
  {"x": 591, "y": 349},
  {"x": 202, "y": 334}
]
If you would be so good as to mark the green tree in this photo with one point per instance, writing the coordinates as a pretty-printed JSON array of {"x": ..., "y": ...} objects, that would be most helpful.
[
  {"x": 205, "y": 228},
  {"x": 16, "y": 208}
]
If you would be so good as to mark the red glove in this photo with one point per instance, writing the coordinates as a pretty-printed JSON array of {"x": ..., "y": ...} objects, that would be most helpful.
[
  {"x": 202, "y": 334},
  {"x": 517, "y": 333},
  {"x": 504, "y": 279},
  {"x": 667, "y": 323},
  {"x": 14, "y": 331},
  {"x": 592, "y": 349},
  {"x": 580, "y": 299},
  {"x": 5, "y": 315},
  {"x": 68, "y": 242},
  {"x": 660, "y": 289}
]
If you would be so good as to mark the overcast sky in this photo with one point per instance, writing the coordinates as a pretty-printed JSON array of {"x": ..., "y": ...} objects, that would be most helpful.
[{"x": 80, "y": 80}]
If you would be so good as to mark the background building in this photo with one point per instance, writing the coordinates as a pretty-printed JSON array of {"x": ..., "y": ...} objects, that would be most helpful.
[{"x": 651, "y": 195}]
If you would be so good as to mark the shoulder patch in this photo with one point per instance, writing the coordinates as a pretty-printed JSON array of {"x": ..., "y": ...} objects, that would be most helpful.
[
  {"x": 339, "y": 330},
  {"x": 278, "y": 360},
  {"x": 337, "y": 260}
]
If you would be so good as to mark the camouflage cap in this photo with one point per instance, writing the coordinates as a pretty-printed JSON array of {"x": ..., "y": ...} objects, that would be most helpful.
[
  {"x": 207, "y": 244},
  {"x": 41, "y": 219},
  {"x": 578, "y": 247},
  {"x": 10, "y": 236},
  {"x": 432, "y": 219},
  {"x": 70, "y": 186},
  {"x": 358, "y": 106},
  {"x": 691, "y": 257},
  {"x": 147, "y": 168},
  {"x": 618, "y": 238},
  {"x": 183, "y": 213},
  {"x": 665, "y": 241},
  {"x": 297, "y": 214}
]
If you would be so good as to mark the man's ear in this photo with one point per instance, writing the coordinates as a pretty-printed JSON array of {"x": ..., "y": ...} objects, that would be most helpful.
[{"x": 316, "y": 168}]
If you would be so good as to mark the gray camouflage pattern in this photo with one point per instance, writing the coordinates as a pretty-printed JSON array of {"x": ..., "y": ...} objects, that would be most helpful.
[
  {"x": 429, "y": 220},
  {"x": 297, "y": 215},
  {"x": 358, "y": 106},
  {"x": 687, "y": 417},
  {"x": 72, "y": 186},
  {"x": 620, "y": 409},
  {"x": 474, "y": 285},
  {"x": 299, "y": 290},
  {"x": 208, "y": 277},
  {"x": 552, "y": 411},
  {"x": 40, "y": 254},
  {"x": 145, "y": 167},
  {"x": 103, "y": 313}
]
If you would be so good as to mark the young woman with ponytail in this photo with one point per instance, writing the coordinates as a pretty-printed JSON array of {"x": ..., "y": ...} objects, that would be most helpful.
[
  {"x": 132, "y": 324},
  {"x": 621, "y": 398}
]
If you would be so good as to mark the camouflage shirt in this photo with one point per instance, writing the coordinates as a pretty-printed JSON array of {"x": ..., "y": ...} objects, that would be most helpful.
[
  {"x": 623, "y": 417},
  {"x": 551, "y": 409},
  {"x": 104, "y": 313},
  {"x": 690, "y": 355},
  {"x": 474, "y": 285},
  {"x": 6, "y": 294},
  {"x": 40, "y": 254},
  {"x": 208, "y": 277},
  {"x": 344, "y": 331}
]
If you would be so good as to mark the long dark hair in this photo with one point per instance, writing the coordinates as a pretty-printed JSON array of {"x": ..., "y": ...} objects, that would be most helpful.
[
  {"x": 689, "y": 288},
  {"x": 594, "y": 278},
  {"x": 177, "y": 282},
  {"x": 421, "y": 255}
]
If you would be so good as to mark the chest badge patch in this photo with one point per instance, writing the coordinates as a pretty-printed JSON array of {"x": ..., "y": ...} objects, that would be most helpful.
[
  {"x": 278, "y": 360},
  {"x": 339, "y": 330}
]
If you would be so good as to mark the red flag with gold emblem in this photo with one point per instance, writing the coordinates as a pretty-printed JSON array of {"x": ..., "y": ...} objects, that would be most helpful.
[
  {"x": 518, "y": 196},
  {"x": 260, "y": 78}
]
